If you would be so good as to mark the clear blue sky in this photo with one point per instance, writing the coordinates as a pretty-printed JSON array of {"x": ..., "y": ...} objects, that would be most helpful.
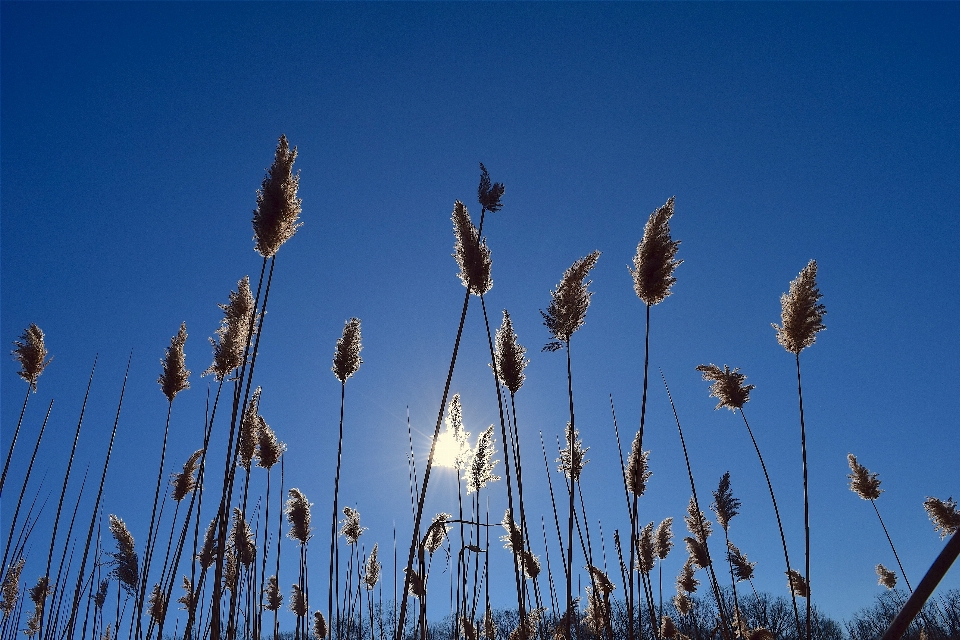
[{"x": 134, "y": 137}]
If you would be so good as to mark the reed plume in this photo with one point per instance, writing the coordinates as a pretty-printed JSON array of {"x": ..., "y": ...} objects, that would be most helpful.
[
  {"x": 298, "y": 604},
  {"x": 11, "y": 587},
  {"x": 488, "y": 195},
  {"x": 228, "y": 353},
  {"x": 38, "y": 595},
  {"x": 436, "y": 532},
  {"x": 319, "y": 626},
  {"x": 513, "y": 539},
  {"x": 480, "y": 470},
  {"x": 346, "y": 358},
  {"x": 697, "y": 523},
  {"x": 686, "y": 581},
  {"x": 460, "y": 436},
  {"x": 571, "y": 460},
  {"x": 273, "y": 596},
  {"x": 597, "y": 615},
  {"x": 241, "y": 537},
  {"x": 417, "y": 588},
  {"x": 742, "y": 567},
  {"x": 569, "y": 302},
  {"x": 725, "y": 505},
  {"x": 269, "y": 448},
  {"x": 663, "y": 538},
  {"x": 527, "y": 629},
  {"x": 654, "y": 262},
  {"x": 371, "y": 570},
  {"x": 698, "y": 552},
  {"x": 278, "y": 207},
  {"x": 230, "y": 570},
  {"x": 638, "y": 469},
  {"x": 667, "y": 628},
  {"x": 189, "y": 597},
  {"x": 350, "y": 525},
  {"x": 943, "y": 514},
  {"x": 208, "y": 552},
  {"x": 510, "y": 361},
  {"x": 174, "y": 378},
  {"x": 646, "y": 554},
  {"x": 727, "y": 386},
  {"x": 157, "y": 604},
  {"x": 101, "y": 595},
  {"x": 862, "y": 482},
  {"x": 298, "y": 516},
  {"x": 797, "y": 584},
  {"x": 32, "y": 353},
  {"x": 887, "y": 578},
  {"x": 530, "y": 564},
  {"x": 470, "y": 630},
  {"x": 184, "y": 482},
  {"x": 471, "y": 252},
  {"x": 125, "y": 559},
  {"x": 802, "y": 314},
  {"x": 249, "y": 432},
  {"x": 682, "y": 603}
]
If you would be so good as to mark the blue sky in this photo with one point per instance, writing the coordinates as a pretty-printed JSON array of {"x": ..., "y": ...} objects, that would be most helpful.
[{"x": 134, "y": 137}]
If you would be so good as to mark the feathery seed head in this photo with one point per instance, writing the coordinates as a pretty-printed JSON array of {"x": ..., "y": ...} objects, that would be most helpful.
[
  {"x": 597, "y": 614},
  {"x": 742, "y": 567},
  {"x": 488, "y": 195},
  {"x": 125, "y": 559},
  {"x": 157, "y": 604},
  {"x": 600, "y": 578},
  {"x": 654, "y": 263},
  {"x": 696, "y": 522},
  {"x": 888, "y": 578},
  {"x": 569, "y": 302},
  {"x": 371, "y": 570},
  {"x": 228, "y": 353},
  {"x": 11, "y": 587},
  {"x": 509, "y": 356},
  {"x": 471, "y": 252},
  {"x": 346, "y": 357},
  {"x": 278, "y": 207},
  {"x": 189, "y": 598},
  {"x": 571, "y": 457},
  {"x": 298, "y": 516},
  {"x": 645, "y": 550},
  {"x": 40, "y": 591},
  {"x": 686, "y": 581},
  {"x": 530, "y": 564},
  {"x": 350, "y": 526},
  {"x": 249, "y": 431},
  {"x": 32, "y": 355},
  {"x": 667, "y": 628},
  {"x": 698, "y": 552},
  {"x": 273, "y": 596},
  {"x": 527, "y": 629},
  {"x": 663, "y": 538},
  {"x": 269, "y": 448},
  {"x": 184, "y": 482},
  {"x": 638, "y": 469},
  {"x": 436, "y": 532},
  {"x": 482, "y": 462},
  {"x": 460, "y": 437},
  {"x": 241, "y": 537},
  {"x": 683, "y": 604},
  {"x": 724, "y": 504},
  {"x": 727, "y": 386},
  {"x": 319, "y": 626},
  {"x": 797, "y": 584},
  {"x": 230, "y": 570},
  {"x": 107, "y": 633},
  {"x": 862, "y": 482},
  {"x": 513, "y": 540},
  {"x": 208, "y": 553},
  {"x": 801, "y": 314},
  {"x": 417, "y": 588},
  {"x": 298, "y": 603},
  {"x": 174, "y": 378},
  {"x": 944, "y": 515},
  {"x": 101, "y": 596}
]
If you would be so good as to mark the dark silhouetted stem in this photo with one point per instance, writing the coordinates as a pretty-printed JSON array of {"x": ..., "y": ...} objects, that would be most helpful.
[
  {"x": 13, "y": 442},
  {"x": 806, "y": 501}
]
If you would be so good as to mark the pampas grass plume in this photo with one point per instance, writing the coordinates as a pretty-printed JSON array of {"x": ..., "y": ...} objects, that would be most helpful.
[
  {"x": 742, "y": 567},
  {"x": 638, "y": 470},
  {"x": 663, "y": 538},
  {"x": 509, "y": 356},
  {"x": 297, "y": 602},
  {"x": 346, "y": 357},
  {"x": 801, "y": 313},
  {"x": 724, "y": 504},
  {"x": 228, "y": 353},
  {"x": 654, "y": 263},
  {"x": 480, "y": 470},
  {"x": 278, "y": 207},
  {"x": 862, "y": 482},
  {"x": 569, "y": 301},
  {"x": 174, "y": 378},
  {"x": 298, "y": 516},
  {"x": 471, "y": 252},
  {"x": 887, "y": 578},
  {"x": 943, "y": 514},
  {"x": 727, "y": 386},
  {"x": 797, "y": 584},
  {"x": 319, "y": 626},
  {"x": 31, "y": 352},
  {"x": 488, "y": 195},
  {"x": 273, "y": 596},
  {"x": 184, "y": 482}
]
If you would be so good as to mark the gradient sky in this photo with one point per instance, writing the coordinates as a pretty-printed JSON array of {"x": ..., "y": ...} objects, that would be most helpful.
[{"x": 134, "y": 137}]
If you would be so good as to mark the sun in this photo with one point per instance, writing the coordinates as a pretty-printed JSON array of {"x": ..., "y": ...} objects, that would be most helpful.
[{"x": 445, "y": 454}]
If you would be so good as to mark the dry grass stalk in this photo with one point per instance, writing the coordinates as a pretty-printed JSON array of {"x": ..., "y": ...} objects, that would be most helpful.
[
  {"x": 273, "y": 596},
  {"x": 801, "y": 314},
  {"x": 249, "y": 432},
  {"x": 797, "y": 584},
  {"x": 298, "y": 604},
  {"x": 488, "y": 195},
  {"x": 371, "y": 569},
  {"x": 638, "y": 469},
  {"x": 31, "y": 352},
  {"x": 269, "y": 448},
  {"x": 667, "y": 628},
  {"x": 887, "y": 578},
  {"x": 663, "y": 538},
  {"x": 11, "y": 587},
  {"x": 228, "y": 353},
  {"x": 943, "y": 514},
  {"x": 569, "y": 302},
  {"x": 184, "y": 482},
  {"x": 125, "y": 559},
  {"x": 298, "y": 516},
  {"x": 319, "y": 626},
  {"x": 346, "y": 357},
  {"x": 727, "y": 386},
  {"x": 481, "y": 466},
  {"x": 157, "y": 604},
  {"x": 654, "y": 262},
  {"x": 278, "y": 207},
  {"x": 241, "y": 537},
  {"x": 471, "y": 252},
  {"x": 527, "y": 629},
  {"x": 697, "y": 523},
  {"x": 698, "y": 552},
  {"x": 510, "y": 356},
  {"x": 646, "y": 554},
  {"x": 686, "y": 581},
  {"x": 724, "y": 504},
  {"x": 350, "y": 525},
  {"x": 571, "y": 460},
  {"x": 436, "y": 532},
  {"x": 742, "y": 567},
  {"x": 174, "y": 378},
  {"x": 862, "y": 482}
]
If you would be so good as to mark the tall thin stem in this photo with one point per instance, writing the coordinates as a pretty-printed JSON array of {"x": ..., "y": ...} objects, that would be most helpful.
[
  {"x": 13, "y": 442},
  {"x": 806, "y": 501},
  {"x": 335, "y": 571},
  {"x": 571, "y": 443}
]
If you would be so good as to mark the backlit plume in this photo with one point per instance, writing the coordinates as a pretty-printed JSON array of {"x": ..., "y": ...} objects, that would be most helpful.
[
  {"x": 174, "y": 378},
  {"x": 569, "y": 302},
  {"x": 346, "y": 358},
  {"x": 488, "y": 195},
  {"x": 862, "y": 482},
  {"x": 887, "y": 578},
  {"x": 944, "y": 515},
  {"x": 510, "y": 356},
  {"x": 32, "y": 355},
  {"x": 801, "y": 314},
  {"x": 654, "y": 263},
  {"x": 727, "y": 386},
  {"x": 298, "y": 516},
  {"x": 278, "y": 207},
  {"x": 471, "y": 252},
  {"x": 482, "y": 462},
  {"x": 228, "y": 353}
]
